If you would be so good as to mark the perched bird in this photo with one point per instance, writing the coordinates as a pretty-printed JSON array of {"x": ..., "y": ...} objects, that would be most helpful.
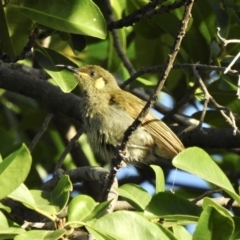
[{"x": 107, "y": 111}]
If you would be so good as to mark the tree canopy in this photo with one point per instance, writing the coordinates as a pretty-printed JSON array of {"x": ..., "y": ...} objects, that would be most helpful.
[{"x": 181, "y": 56}]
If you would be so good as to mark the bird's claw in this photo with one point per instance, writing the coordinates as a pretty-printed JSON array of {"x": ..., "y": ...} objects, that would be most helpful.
[{"x": 124, "y": 154}]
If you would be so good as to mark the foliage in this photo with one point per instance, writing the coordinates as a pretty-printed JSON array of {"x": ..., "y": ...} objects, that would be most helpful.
[
  {"x": 42, "y": 34},
  {"x": 143, "y": 223}
]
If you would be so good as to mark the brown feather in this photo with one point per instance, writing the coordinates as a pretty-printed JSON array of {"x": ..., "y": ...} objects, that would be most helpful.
[{"x": 168, "y": 144}]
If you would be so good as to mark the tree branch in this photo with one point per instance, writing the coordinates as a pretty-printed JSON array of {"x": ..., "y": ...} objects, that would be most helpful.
[
  {"x": 68, "y": 104},
  {"x": 41, "y": 91}
]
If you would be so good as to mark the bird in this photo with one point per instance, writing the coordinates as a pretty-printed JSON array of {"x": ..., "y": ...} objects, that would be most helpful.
[{"x": 107, "y": 111}]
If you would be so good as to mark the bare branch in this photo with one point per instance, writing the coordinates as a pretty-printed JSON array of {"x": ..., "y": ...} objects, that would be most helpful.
[
  {"x": 81, "y": 174},
  {"x": 41, "y": 132},
  {"x": 27, "y": 50},
  {"x": 68, "y": 104},
  {"x": 206, "y": 194},
  {"x": 238, "y": 87},
  {"x": 120, "y": 155},
  {"x": 232, "y": 62},
  {"x": 147, "y": 11},
  {"x": 230, "y": 119},
  {"x": 225, "y": 41},
  {"x": 145, "y": 70},
  {"x": 116, "y": 42},
  {"x": 71, "y": 144}
]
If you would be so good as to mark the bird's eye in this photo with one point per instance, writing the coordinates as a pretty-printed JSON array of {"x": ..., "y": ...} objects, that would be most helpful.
[{"x": 92, "y": 74}]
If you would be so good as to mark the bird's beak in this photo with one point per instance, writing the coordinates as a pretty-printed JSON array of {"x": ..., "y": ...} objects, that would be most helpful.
[{"x": 69, "y": 68}]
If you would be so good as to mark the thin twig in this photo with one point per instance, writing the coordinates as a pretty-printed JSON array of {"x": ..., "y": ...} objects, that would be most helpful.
[
  {"x": 238, "y": 87},
  {"x": 230, "y": 203},
  {"x": 185, "y": 99},
  {"x": 182, "y": 120},
  {"x": 146, "y": 11},
  {"x": 222, "y": 201},
  {"x": 72, "y": 142},
  {"x": 163, "y": 77},
  {"x": 204, "y": 111},
  {"x": 40, "y": 133},
  {"x": 26, "y": 52},
  {"x": 207, "y": 97},
  {"x": 225, "y": 41},
  {"x": 116, "y": 42},
  {"x": 81, "y": 174},
  {"x": 132, "y": 18},
  {"x": 230, "y": 117},
  {"x": 145, "y": 70},
  {"x": 36, "y": 72},
  {"x": 206, "y": 194},
  {"x": 171, "y": 57},
  {"x": 231, "y": 63}
]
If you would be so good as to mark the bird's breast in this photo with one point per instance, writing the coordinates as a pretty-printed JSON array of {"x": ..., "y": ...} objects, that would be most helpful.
[{"x": 105, "y": 133}]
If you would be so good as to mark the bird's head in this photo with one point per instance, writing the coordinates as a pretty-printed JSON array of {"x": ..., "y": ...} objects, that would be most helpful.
[{"x": 93, "y": 79}]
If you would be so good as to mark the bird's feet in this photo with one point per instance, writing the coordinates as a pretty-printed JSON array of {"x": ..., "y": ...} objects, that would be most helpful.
[{"x": 124, "y": 154}]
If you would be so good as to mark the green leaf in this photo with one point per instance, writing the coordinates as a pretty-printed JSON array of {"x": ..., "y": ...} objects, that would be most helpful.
[
  {"x": 41, "y": 235},
  {"x": 3, "y": 221},
  {"x": 5, "y": 208},
  {"x": 6, "y": 140},
  {"x": 222, "y": 16},
  {"x": 224, "y": 93},
  {"x": 147, "y": 27},
  {"x": 153, "y": 55},
  {"x": 213, "y": 118},
  {"x": 171, "y": 206},
  {"x": 97, "y": 52},
  {"x": 227, "y": 84},
  {"x": 15, "y": 29},
  {"x": 10, "y": 232},
  {"x": 135, "y": 195},
  {"x": 236, "y": 234},
  {"x": 64, "y": 36},
  {"x": 99, "y": 235},
  {"x": 198, "y": 162},
  {"x": 113, "y": 60},
  {"x": 35, "y": 199},
  {"x": 98, "y": 211},
  {"x": 181, "y": 233},
  {"x": 23, "y": 195},
  {"x": 48, "y": 58},
  {"x": 43, "y": 203},
  {"x": 61, "y": 193},
  {"x": 47, "y": 203},
  {"x": 160, "y": 180},
  {"x": 80, "y": 208},
  {"x": 205, "y": 21},
  {"x": 146, "y": 82},
  {"x": 77, "y": 43},
  {"x": 168, "y": 233},
  {"x": 10, "y": 176},
  {"x": 213, "y": 224},
  {"x": 209, "y": 202},
  {"x": 76, "y": 16},
  {"x": 124, "y": 225}
]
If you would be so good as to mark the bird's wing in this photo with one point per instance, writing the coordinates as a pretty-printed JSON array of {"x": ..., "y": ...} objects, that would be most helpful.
[{"x": 168, "y": 144}]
